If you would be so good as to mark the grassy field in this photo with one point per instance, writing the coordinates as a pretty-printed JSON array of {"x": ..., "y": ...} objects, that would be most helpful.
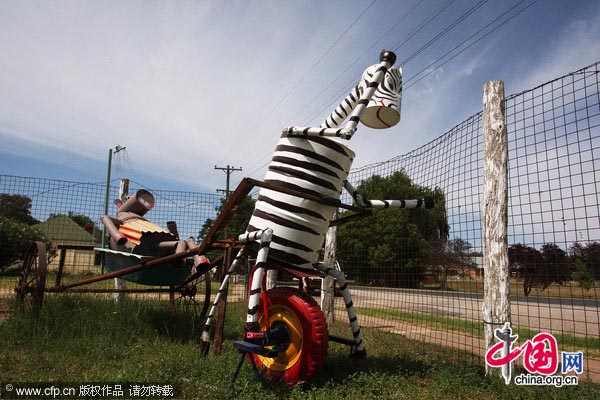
[
  {"x": 568, "y": 290},
  {"x": 80, "y": 339}
]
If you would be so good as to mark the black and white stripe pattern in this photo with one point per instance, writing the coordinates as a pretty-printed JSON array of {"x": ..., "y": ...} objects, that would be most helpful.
[
  {"x": 345, "y": 108},
  {"x": 383, "y": 109},
  {"x": 341, "y": 279},
  {"x": 308, "y": 161},
  {"x": 312, "y": 165},
  {"x": 362, "y": 202},
  {"x": 292, "y": 229},
  {"x": 205, "y": 337},
  {"x": 257, "y": 276}
]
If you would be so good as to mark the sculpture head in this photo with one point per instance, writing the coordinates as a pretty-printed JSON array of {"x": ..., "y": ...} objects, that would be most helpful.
[{"x": 383, "y": 110}]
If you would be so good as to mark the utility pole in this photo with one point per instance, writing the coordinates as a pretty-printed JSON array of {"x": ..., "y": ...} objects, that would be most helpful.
[
  {"x": 117, "y": 149},
  {"x": 228, "y": 170},
  {"x": 221, "y": 308}
]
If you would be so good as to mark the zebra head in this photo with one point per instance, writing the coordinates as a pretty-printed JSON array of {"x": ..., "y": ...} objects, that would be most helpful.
[{"x": 383, "y": 110}]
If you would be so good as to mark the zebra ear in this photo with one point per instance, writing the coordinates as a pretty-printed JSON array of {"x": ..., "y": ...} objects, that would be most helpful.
[{"x": 383, "y": 110}]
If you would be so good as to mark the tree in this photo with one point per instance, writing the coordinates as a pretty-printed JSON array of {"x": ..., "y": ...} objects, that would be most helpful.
[
  {"x": 80, "y": 219},
  {"x": 592, "y": 259},
  {"x": 582, "y": 275},
  {"x": 16, "y": 230},
  {"x": 589, "y": 258},
  {"x": 390, "y": 246},
  {"x": 539, "y": 269},
  {"x": 452, "y": 256},
  {"x": 17, "y": 208},
  {"x": 238, "y": 222},
  {"x": 557, "y": 264},
  {"x": 16, "y": 237},
  {"x": 524, "y": 262}
]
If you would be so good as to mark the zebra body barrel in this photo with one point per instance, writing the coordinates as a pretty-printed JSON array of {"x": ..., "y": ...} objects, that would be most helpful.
[
  {"x": 315, "y": 165},
  {"x": 310, "y": 161}
]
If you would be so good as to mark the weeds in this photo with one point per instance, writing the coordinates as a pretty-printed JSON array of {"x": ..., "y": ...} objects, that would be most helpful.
[{"x": 92, "y": 339}]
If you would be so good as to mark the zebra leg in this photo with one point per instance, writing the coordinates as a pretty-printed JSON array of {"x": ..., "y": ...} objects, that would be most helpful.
[
  {"x": 205, "y": 336},
  {"x": 257, "y": 278},
  {"x": 359, "y": 350}
]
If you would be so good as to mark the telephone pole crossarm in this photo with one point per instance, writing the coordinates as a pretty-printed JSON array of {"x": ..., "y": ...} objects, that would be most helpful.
[{"x": 228, "y": 170}]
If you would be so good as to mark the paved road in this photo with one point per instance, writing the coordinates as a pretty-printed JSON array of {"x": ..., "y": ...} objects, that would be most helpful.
[{"x": 579, "y": 317}]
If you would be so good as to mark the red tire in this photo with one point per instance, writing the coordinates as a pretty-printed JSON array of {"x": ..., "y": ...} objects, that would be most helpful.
[{"x": 305, "y": 353}]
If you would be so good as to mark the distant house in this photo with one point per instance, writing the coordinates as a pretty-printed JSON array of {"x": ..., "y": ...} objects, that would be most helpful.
[
  {"x": 458, "y": 271},
  {"x": 62, "y": 230},
  {"x": 474, "y": 271}
]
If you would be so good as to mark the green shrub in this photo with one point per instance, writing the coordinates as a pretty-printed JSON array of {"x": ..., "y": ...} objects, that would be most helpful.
[{"x": 15, "y": 239}]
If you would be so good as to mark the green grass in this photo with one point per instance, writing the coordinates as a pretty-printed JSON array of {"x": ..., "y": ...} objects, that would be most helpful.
[{"x": 88, "y": 339}]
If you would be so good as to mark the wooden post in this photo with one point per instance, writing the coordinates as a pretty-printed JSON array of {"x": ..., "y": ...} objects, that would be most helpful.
[
  {"x": 121, "y": 283},
  {"x": 328, "y": 283},
  {"x": 496, "y": 297},
  {"x": 222, "y": 308},
  {"x": 271, "y": 281}
]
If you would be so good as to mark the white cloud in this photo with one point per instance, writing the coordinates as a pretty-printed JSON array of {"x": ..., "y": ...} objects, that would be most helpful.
[
  {"x": 575, "y": 46},
  {"x": 186, "y": 85}
]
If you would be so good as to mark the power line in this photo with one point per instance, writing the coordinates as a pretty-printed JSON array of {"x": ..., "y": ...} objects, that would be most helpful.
[
  {"x": 228, "y": 170},
  {"x": 410, "y": 35},
  {"x": 430, "y": 18},
  {"x": 354, "y": 62},
  {"x": 423, "y": 24},
  {"x": 345, "y": 89},
  {"x": 301, "y": 80},
  {"x": 472, "y": 44},
  {"x": 446, "y": 30}
]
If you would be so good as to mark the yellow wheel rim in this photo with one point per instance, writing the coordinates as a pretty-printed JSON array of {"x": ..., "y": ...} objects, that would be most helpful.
[{"x": 290, "y": 352}]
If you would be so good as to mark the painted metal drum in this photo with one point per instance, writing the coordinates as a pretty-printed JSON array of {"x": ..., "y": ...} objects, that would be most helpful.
[{"x": 314, "y": 165}]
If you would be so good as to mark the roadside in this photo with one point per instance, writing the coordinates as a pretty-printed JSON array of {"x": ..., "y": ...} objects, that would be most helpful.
[{"x": 445, "y": 338}]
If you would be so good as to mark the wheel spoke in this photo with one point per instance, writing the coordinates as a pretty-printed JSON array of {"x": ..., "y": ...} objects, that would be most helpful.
[
  {"x": 32, "y": 280},
  {"x": 194, "y": 298}
]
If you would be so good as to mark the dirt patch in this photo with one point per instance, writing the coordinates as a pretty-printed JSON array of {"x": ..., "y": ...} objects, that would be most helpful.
[{"x": 451, "y": 339}]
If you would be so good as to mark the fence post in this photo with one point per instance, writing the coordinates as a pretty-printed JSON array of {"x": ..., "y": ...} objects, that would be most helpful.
[
  {"x": 496, "y": 287},
  {"x": 328, "y": 283},
  {"x": 123, "y": 194},
  {"x": 271, "y": 280}
]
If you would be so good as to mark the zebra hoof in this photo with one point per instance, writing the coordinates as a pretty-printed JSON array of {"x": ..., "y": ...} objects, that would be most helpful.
[
  {"x": 205, "y": 346},
  {"x": 358, "y": 354}
]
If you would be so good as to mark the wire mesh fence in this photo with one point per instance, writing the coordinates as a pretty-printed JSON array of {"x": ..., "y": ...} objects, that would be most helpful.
[
  {"x": 553, "y": 222},
  {"x": 67, "y": 214},
  {"x": 418, "y": 273}
]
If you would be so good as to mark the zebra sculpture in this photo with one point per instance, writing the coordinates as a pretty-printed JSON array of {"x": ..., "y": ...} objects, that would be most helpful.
[{"x": 285, "y": 330}]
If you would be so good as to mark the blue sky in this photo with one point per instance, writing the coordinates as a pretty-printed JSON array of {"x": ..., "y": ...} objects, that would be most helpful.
[{"x": 187, "y": 85}]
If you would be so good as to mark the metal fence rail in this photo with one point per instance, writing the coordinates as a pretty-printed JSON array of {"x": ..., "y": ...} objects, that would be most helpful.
[{"x": 554, "y": 227}]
